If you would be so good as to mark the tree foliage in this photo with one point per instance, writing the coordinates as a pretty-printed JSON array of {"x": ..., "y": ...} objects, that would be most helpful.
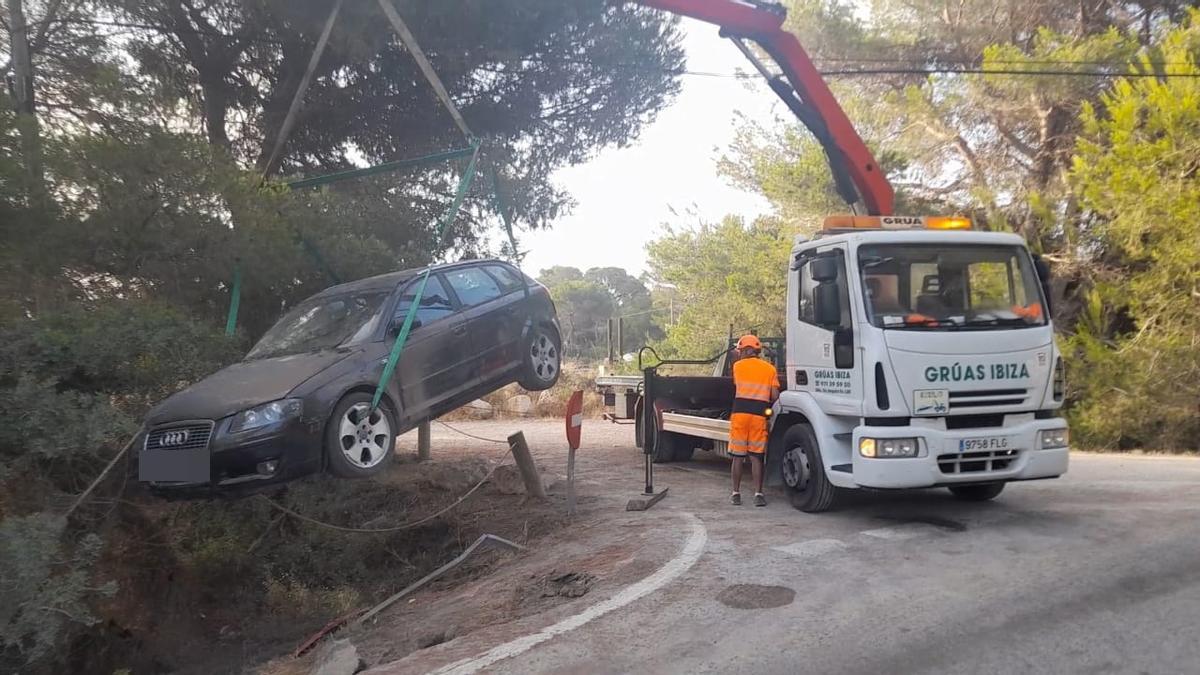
[
  {"x": 729, "y": 276},
  {"x": 1137, "y": 345},
  {"x": 587, "y": 301}
]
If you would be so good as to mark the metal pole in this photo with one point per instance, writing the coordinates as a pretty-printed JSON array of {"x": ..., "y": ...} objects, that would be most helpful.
[
  {"x": 424, "y": 442},
  {"x": 571, "y": 481},
  {"x": 649, "y": 426}
]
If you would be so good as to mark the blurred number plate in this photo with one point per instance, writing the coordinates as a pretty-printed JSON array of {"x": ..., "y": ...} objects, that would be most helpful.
[
  {"x": 161, "y": 465},
  {"x": 977, "y": 444}
]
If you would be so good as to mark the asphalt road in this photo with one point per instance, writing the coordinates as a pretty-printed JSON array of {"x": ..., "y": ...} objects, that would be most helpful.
[{"x": 1098, "y": 572}]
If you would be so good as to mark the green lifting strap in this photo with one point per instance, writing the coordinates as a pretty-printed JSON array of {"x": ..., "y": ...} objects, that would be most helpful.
[
  {"x": 235, "y": 300},
  {"x": 464, "y": 185}
]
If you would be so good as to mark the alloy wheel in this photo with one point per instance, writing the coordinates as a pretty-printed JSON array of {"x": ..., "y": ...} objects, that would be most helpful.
[{"x": 364, "y": 435}]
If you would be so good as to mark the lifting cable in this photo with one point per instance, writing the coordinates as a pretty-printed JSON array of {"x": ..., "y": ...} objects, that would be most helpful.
[{"x": 465, "y": 182}]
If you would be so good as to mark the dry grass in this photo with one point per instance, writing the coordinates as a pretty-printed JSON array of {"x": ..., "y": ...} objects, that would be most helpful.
[{"x": 550, "y": 403}]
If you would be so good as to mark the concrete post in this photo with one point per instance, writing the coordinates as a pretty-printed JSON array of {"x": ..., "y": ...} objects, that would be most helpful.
[{"x": 423, "y": 441}]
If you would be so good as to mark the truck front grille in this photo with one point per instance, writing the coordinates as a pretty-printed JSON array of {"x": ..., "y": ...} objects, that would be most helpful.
[
  {"x": 184, "y": 436},
  {"x": 987, "y": 398},
  {"x": 976, "y": 462}
]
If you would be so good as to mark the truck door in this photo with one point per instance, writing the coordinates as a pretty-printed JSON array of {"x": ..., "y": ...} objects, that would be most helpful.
[{"x": 823, "y": 354}]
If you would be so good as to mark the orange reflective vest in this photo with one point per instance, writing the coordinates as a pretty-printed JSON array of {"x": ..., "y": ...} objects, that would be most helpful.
[{"x": 756, "y": 384}]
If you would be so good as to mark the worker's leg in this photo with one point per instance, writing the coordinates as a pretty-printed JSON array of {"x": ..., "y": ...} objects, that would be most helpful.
[
  {"x": 738, "y": 430},
  {"x": 757, "y": 445}
]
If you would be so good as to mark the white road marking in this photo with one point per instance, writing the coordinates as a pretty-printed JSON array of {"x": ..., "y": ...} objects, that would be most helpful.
[
  {"x": 901, "y": 532},
  {"x": 811, "y": 548},
  {"x": 661, "y": 577}
]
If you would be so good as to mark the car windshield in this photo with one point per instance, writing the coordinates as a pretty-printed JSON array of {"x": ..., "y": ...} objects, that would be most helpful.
[
  {"x": 323, "y": 322},
  {"x": 960, "y": 287}
]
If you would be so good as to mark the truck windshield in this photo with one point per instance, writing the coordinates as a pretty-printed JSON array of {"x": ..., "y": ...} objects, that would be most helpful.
[
  {"x": 322, "y": 322},
  {"x": 959, "y": 287}
]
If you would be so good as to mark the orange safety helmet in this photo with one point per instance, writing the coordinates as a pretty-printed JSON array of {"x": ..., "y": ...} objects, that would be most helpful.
[{"x": 749, "y": 342}]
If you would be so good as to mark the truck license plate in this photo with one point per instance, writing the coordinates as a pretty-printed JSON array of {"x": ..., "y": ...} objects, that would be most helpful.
[{"x": 978, "y": 444}]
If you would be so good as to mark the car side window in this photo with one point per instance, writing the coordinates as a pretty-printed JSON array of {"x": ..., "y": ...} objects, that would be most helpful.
[
  {"x": 473, "y": 286},
  {"x": 435, "y": 302},
  {"x": 508, "y": 279}
]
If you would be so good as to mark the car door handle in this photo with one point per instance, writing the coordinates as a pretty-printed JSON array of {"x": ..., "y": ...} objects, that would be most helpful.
[{"x": 460, "y": 329}]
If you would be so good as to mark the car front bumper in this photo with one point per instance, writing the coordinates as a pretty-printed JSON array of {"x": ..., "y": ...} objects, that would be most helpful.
[
  {"x": 235, "y": 459},
  {"x": 1012, "y": 454}
]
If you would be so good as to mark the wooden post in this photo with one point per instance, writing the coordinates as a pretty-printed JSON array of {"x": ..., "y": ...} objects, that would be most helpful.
[
  {"x": 423, "y": 441},
  {"x": 529, "y": 472}
]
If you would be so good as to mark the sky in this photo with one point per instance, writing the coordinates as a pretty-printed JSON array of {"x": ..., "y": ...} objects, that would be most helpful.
[{"x": 624, "y": 195}]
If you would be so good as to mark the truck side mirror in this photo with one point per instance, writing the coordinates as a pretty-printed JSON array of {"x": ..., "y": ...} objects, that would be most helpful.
[
  {"x": 827, "y": 306},
  {"x": 1044, "y": 275},
  {"x": 824, "y": 269}
]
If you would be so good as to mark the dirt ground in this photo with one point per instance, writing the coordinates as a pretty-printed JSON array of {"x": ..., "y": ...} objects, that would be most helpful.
[{"x": 567, "y": 562}]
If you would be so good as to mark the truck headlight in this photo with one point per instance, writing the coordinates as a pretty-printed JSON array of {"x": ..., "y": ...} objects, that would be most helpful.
[
  {"x": 265, "y": 414},
  {"x": 1055, "y": 438},
  {"x": 887, "y": 447}
]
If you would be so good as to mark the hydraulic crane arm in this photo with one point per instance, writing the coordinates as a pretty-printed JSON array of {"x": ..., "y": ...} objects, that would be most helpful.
[{"x": 855, "y": 172}]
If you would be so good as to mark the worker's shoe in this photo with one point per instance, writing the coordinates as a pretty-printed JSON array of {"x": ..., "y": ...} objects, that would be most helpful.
[
  {"x": 736, "y": 499},
  {"x": 759, "y": 499}
]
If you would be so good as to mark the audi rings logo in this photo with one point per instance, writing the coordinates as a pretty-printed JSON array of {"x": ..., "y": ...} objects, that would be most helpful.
[{"x": 173, "y": 438}]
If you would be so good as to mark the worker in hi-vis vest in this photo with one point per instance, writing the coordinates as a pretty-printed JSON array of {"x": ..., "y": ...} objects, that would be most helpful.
[{"x": 756, "y": 387}]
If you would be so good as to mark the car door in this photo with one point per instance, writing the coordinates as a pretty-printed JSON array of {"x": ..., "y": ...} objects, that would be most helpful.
[
  {"x": 516, "y": 310},
  {"x": 436, "y": 362},
  {"x": 491, "y": 315}
]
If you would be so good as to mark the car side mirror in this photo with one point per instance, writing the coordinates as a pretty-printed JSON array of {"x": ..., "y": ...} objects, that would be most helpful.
[
  {"x": 397, "y": 325},
  {"x": 827, "y": 306}
]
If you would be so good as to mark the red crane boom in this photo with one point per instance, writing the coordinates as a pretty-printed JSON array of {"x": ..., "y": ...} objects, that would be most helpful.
[{"x": 855, "y": 172}]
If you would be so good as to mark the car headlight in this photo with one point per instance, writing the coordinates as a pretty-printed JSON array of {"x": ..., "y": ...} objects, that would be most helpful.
[
  {"x": 887, "y": 447},
  {"x": 265, "y": 414},
  {"x": 1055, "y": 438}
]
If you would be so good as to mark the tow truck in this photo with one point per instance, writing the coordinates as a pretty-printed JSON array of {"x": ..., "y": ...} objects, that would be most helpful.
[{"x": 919, "y": 351}]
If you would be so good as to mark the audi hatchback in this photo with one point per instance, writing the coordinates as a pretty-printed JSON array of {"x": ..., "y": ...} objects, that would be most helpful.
[{"x": 300, "y": 401}]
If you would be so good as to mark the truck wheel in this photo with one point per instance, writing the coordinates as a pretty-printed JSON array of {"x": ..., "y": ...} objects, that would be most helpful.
[
  {"x": 977, "y": 493},
  {"x": 803, "y": 472},
  {"x": 667, "y": 446}
]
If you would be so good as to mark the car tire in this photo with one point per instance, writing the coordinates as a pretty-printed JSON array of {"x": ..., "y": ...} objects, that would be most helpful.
[
  {"x": 358, "y": 446},
  {"x": 541, "y": 360},
  {"x": 804, "y": 473},
  {"x": 977, "y": 493}
]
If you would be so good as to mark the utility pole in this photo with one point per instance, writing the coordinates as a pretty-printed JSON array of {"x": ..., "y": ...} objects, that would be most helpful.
[{"x": 21, "y": 85}]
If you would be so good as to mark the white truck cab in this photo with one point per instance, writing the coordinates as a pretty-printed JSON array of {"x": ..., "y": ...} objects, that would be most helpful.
[{"x": 920, "y": 353}]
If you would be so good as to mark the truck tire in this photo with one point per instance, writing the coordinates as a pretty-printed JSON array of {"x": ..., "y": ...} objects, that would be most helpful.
[
  {"x": 977, "y": 493},
  {"x": 667, "y": 446},
  {"x": 804, "y": 473}
]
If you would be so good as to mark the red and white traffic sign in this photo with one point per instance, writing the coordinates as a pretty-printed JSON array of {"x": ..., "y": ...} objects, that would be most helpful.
[{"x": 574, "y": 419}]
